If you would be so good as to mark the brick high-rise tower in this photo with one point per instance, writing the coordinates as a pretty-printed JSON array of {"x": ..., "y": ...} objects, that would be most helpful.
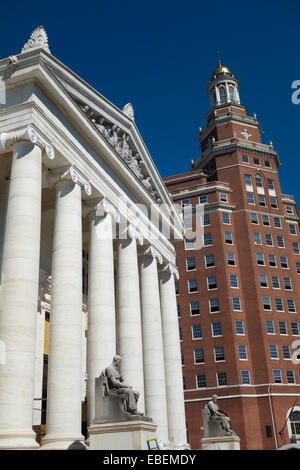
[{"x": 238, "y": 296}]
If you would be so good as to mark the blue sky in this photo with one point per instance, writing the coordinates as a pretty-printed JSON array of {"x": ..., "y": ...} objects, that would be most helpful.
[{"x": 159, "y": 55}]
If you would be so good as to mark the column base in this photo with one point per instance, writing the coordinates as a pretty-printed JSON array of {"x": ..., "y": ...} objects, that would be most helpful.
[
  {"x": 63, "y": 442},
  {"x": 221, "y": 443},
  {"x": 18, "y": 440},
  {"x": 125, "y": 435}
]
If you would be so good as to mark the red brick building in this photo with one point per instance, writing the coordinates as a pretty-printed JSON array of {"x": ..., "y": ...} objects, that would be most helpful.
[{"x": 238, "y": 294}]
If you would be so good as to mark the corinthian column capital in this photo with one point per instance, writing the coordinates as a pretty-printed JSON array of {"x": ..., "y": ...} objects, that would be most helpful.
[
  {"x": 27, "y": 134},
  {"x": 70, "y": 173}
]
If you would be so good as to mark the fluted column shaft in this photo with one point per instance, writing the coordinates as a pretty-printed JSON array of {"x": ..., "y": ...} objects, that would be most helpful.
[
  {"x": 19, "y": 295},
  {"x": 172, "y": 356},
  {"x": 129, "y": 317},
  {"x": 101, "y": 303},
  {"x": 4, "y": 186},
  {"x": 154, "y": 372},
  {"x": 63, "y": 425}
]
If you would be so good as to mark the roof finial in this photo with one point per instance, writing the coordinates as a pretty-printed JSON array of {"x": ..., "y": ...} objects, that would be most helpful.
[
  {"x": 38, "y": 39},
  {"x": 219, "y": 57}
]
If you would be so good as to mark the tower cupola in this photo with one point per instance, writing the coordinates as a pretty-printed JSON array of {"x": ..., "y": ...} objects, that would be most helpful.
[{"x": 223, "y": 87}]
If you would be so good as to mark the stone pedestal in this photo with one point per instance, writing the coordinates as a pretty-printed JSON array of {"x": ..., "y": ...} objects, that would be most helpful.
[
  {"x": 221, "y": 443},
  {"x": 125, "y": 435}
]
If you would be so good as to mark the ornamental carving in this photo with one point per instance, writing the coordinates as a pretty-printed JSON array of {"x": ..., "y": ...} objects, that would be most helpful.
[
  {"x": 28, "y": 134},
  {"x": 123, "y": 145},
  {"x": 37, "y": 39}
]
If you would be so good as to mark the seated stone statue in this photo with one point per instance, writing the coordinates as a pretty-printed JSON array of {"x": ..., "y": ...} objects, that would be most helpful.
[
  {"x": 115, "y": 387},
  {"x": 215, "y": 423}
]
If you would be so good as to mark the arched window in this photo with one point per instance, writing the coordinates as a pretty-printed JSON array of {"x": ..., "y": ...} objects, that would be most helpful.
[
  {"x": 295, "y": 422},
  {"x": 222, "y": 93},
  {"x": 259, "y": 181},
  {"x": 231, "y": 93}
]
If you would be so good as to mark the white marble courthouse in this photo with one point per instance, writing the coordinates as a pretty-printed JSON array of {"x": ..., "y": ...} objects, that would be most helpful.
[{"x": 74, "y": 172}]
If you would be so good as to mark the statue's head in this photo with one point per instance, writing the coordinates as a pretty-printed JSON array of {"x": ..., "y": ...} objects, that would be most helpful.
[
  {"x": 214, "y": 398},
  {"x": 116, "y": 360}
]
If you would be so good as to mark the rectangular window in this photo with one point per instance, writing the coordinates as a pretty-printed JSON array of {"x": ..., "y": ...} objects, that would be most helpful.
[
  {"x": 226, "y": 218},
  {"x": 280, "y": 241},
  {"x": 207, "y": 239},
  {"x": 273, "y": 201},
  {"x": 262, "y": 200},
  {"x": 228, "y": 238},
  {"x": 216, "y": 329},
  {"x": 263, "y": 280},
  {"x": 250, "y": 198},
  {"x": 286, "y": 351},
  {"x": 287, "y": 283},
  {"x": 193, "y": 285},
  {"x": 177, "y": 288},
  {"x": 293, "y": 229},
  {"x": 242, "y": 350},
  {"x": 209, "y": 261},
  {"x": 279, "y": 305},
  {"x": 270, "y": 327},
  {"x": 290, "y": 376},
  {"x": 270, "y": 183},
  {"x": 282, "y": 328},
  {"x": 248, "y": 180},
  {"x": 257, "y": 238},
  {"x": 291, "y": 305},
  {"x": 178, "y": 311},
  {"x": 183, "y": 383},
  {"x": 277, "y": 222},
  {"x": 256, "y": 161},
  {"x": 258, "y": 180},
  {"x": 272, "y": 261},
  {"x": 266, "y": 303},
  {"x": 188, "y": 243},
  {"x": 298, "y": 267},
  {"x": 231, "y": 259},
  {"x": 245, "y": 375},
  {"x": 205, "y": 220},
  {"x": 196, "y": 332},
  {"x": 296, "y": 248},
  {"x": 223, "y": 197},
  {"x": 254, "y": 218},
  {"x": 214, "y": 305},
  {"x": 273, "y": 351},
  {"x": 212, "y": 283},
  {"x": 203, "y": 198},
  {"x": 268, "y": 164},
  {"x": 284, "y": 262},
  {"x": 269, "y": 239},
  {"x": 194, "y": 308},
  {"x": 190, "y": 264},
  {"x": 233, "y": 279},
  {"x": 245, "y": 159},
  {"x": 289, "y": 210},
  {"x": 180, "y": 334},
  {"x": 260, "y": 259},
  {"x": 277, "y": 376},
  {"x": 221, "y": 379},
  {"x": 185, "y": 202},
  {"x": 198, "y": 356},
  {"x": 239, "y": 327},
  {"x": 295, "y": 328},
  {"x": 266, "y": 220},
  {"x": 201, "y": 380},
  {"x": 219, "y": 353},
  {"x": 236, "y": 304},
  {"x": 182, "y": 358},
  {"x": 275, "y": 282}
]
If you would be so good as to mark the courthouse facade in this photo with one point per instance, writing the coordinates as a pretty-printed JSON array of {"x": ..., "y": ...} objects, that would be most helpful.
[
  {"x": 86, "y": 246},
  {"x": 238, "y": 295}
]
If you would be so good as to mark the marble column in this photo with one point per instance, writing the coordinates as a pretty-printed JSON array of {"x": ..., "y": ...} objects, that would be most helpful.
[
  {"x": 129, "y": 313},
  {"x": 63, "y": 419},
  {"x": 19, "y": 291},
  {"x": 172, "y": 355},
  {"x": 101, "y": 339},
  {"x": 154, "y": 371},
  {"x": 4, "y": 187}
]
